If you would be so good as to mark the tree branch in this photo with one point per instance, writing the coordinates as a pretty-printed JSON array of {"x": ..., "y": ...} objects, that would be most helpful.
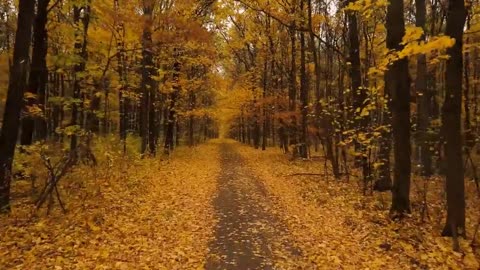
[{"x": 295, "y": 28}]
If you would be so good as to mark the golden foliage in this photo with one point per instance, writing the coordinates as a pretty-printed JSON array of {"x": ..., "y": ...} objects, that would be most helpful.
[
  {"x": 126, "y": 214},
  {"x": 337, "y": 227}
]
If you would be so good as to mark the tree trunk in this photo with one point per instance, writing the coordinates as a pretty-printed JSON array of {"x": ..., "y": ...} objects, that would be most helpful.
[
  {"x": 264, "y": 107},
  {"x": 38, "y": 76},
  {"x": 451, "y": 119},
  {"x": 397, "y": 84},
  {"x": 191, "y": 119},
  {"x": 16, "y": 87},
  {"x": 292, "y": 91},
  {"x": 469, "y": 135},
  {"x": 122, "y": 74},
  {"x": 423, "y": 98},
  {"x": 147, "y": 82},
  {"x": 359, "y": 93},
  {"x": 171, "y": 116},
  {"x": 152, "y": 116},
  {"x": 81, "y": 51},
  {"x": 304, "y": 87}
]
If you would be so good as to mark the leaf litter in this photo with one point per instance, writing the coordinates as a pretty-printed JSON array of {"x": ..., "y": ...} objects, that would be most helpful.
[
  {"x": 336, "y": 227},
  {"x": 161, "y": 214},
  {"x": 136, "y": 214}
]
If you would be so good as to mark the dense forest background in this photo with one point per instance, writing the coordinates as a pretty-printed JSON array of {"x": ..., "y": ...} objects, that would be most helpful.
[{"x": 382, "y": 92}]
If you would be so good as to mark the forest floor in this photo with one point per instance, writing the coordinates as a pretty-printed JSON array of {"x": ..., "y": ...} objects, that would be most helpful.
[{"x": 226, "y": 206}]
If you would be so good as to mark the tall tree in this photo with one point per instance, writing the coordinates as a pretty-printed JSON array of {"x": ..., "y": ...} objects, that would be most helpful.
[
  {"x": 122, "y": 74},
  {"x": 292, "y": 85},
  {"x": 38, "y": 76},
  {"x": 171, "y": 110},
  {"x": 304, "y": 87},
  {"x": 148, "y": 119},
  {"x": 424, "y": 96},
  {"x": 397, "y": 85},
  {"x": 13, "y": 106},
  {"x": 81, "y": 19},
  {"x": 359, "y": 94},
  {"x": 451, "y": 119}
]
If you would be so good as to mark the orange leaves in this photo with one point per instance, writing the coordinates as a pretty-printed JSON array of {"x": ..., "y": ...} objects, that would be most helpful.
[
  {"x": 125, "y": 214},
  {"x": 336, "y": 227}
]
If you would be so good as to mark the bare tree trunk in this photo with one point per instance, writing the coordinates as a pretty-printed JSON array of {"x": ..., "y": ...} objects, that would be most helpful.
[
  {"x": 359, "y": 93},
  {"x": 38, "y": 78},
  {"x": 451, "y": 119},
  {"x": 171, "y": 115},
  {"x": 122, "y": 74},
  {"x": 304, "y": 87},
  {"x": 292, "y": 88},
  {"x": 13, "y": 106},
  {"x": 81, "y": 52},
  {"x": 469, "y": 135},
  {"x": 424, "y": 97},
  {"x": 147, "y": 81},
  {"x": 397, "y": 84},
  {"x": 264, "y": 107}
]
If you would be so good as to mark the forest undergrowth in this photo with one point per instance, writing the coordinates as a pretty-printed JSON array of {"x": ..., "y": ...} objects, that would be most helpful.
[
  {"x": 158, "y": 213},
  {"x": 127, "y": 213},
  {"x": 335, "y": 225}
]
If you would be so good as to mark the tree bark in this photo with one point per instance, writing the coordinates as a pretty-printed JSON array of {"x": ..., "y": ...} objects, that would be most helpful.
[
  {"x": 424, "y": 97},
  {"x": 13, "y": 106},
  {"x": 171, "y": 115},
  {"x": 359, "y": 92},
  {"x": 292, "y": 87},
  {"x": 81, "y": 51},
  {"x": 397, "y": 84},
  {"x": 122, "y": 74},
  {"x": 451, "y": 119},
  {"x": 148, "y": 85},
  {"x": 304, "y": 87},
  {"x": 38, "y": 76}
]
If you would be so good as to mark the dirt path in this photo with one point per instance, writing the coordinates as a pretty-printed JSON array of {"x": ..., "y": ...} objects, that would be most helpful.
[{"x": 248, "y": 235}]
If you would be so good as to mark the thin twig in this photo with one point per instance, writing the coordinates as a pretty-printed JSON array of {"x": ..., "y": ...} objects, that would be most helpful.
[{"x": 305, "y": 174}]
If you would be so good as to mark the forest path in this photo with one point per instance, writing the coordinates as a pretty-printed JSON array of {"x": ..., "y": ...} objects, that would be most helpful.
[
  {"x": 248, "y": 235},
  {"x": 223, "y": 205}
]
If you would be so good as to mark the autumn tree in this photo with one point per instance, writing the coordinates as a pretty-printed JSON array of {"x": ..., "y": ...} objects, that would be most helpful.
[
  {"x": 424, "y": 96},
  {"x": 451, "y": 120},
  {"x": 81, "y": 19},
  {"x": 13, "y": 106},
  {"x": 359, "y": 93},
  {"x": 397, "y": 85},
  {"x": 38, "y": 78},
  {"x": 148, "y": 120},
  {"x": 304, "y": 87}
]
